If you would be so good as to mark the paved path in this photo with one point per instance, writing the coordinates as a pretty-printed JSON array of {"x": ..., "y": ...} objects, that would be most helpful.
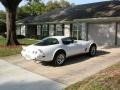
[
  {"x": 74, "y": 70},
  {"x": 15, "y": 78}
]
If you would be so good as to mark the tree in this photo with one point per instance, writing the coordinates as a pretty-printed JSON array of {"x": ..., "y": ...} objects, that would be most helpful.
[
  {"x": 2, "y": 15},
  {"x": 51, "y": 5},
  {"x": 23, "y": 12},
  {"x": 35, "y": 7},
  {"x": 64, "y": 4},
  {"x": 11, "y": 7}
]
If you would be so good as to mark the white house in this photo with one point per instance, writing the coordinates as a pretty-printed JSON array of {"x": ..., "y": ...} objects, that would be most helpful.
[{"x": 95, "y": 21}]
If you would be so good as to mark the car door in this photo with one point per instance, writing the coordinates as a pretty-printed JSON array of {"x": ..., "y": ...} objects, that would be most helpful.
[
  {"x": 70, "y": 47},
  {"x": 81, "y": 46}
]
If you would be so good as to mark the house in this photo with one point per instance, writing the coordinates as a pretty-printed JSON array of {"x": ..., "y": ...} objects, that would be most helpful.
[
  {"x": 94, "y": 21},
  {"x": 2, "y": 27}
]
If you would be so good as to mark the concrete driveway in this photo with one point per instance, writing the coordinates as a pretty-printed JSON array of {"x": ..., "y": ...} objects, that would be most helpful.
[
  {"x": 15, "y": 78},
  {"x": 75, "y": 69}
]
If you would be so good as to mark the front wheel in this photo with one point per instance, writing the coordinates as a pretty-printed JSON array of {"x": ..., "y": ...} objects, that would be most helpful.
[
  {"x": 92, "y": 50},
  {"x": 59, "y": 59}
]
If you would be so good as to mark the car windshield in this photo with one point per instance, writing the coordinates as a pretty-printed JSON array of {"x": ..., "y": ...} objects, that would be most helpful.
[{"x": 47, "y": 41}]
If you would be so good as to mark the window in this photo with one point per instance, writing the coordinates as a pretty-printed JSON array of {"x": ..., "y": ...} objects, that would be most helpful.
[
  {"x": 51, "y": 30},
  {"x": 45, "y": 30},
  {"x": 67, "y": 40},
  {"x": 76, "y": 31},
  {"x": 59, "y": 31},
  {"x": 47, "y": 41}
]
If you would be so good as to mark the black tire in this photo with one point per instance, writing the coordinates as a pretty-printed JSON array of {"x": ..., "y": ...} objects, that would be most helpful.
[
  {"x": 92, "y": 50},
  {"x": 59, "y": 59}
]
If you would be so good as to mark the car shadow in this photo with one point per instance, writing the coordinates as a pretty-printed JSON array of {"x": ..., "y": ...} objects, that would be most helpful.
[{"x": 78, "y": 58}]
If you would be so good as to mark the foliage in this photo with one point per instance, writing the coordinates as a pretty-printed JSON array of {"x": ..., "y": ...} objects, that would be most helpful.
[
  {"x": 2, "y": 15},
  {"x": 51, "y": 5},
  {"x": 37, "y": 7},
  {"x": 32, "y": 8},
  {"x": 23, "y": 12}
]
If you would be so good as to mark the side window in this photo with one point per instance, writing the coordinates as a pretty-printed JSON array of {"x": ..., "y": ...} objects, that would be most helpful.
[
  {"x": 67, "y": 41},
  {"x": 54, "y": 41}
]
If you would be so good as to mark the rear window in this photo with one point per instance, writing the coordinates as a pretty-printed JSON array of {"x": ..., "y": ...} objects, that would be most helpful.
[{"x": 47, "y": 41}]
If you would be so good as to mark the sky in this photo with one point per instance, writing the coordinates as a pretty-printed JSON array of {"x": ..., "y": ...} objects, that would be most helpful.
[{"x": 71, "y": 1}]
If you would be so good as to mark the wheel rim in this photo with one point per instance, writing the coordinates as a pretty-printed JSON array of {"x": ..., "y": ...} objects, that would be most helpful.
[
  {"x": 93, "y": 50},
  {"x": 60, "y": 59}
]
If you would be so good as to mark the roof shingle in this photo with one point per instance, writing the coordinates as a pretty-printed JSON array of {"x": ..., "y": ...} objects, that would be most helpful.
[{"x": 92, "y": 10}]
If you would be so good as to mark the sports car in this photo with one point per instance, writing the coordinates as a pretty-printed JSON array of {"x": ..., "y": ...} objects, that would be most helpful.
[{"x": 57, "y": 48}]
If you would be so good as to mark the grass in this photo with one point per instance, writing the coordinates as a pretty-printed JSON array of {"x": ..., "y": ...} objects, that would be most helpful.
[
  {"x": 108, "y": 79},
  {"x": 7, "y": 51}
]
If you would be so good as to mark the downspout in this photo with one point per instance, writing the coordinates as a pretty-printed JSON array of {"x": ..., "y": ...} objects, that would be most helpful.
[
  {"x": 77, "y": 30},
  {"x": 116, "y": 31}
]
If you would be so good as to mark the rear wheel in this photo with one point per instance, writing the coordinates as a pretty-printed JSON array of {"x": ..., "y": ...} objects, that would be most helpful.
[
  {"x": 59, "y": 59},
  {"x": 92, "y": 50}
]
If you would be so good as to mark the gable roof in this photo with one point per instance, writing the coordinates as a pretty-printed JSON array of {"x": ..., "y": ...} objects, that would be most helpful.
[{"x": 92, "y": 10}]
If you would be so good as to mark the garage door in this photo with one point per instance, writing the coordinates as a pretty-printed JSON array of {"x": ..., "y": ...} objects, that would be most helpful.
[{"x": 102, "y": 34}]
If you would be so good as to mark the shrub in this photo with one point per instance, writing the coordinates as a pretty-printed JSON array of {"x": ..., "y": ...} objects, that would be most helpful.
[
  {"x": 4, "y": 35},
  {"x": 20, "y": 36}
]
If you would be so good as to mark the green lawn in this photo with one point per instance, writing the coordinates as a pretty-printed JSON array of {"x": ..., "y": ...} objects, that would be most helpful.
[
  {"x": 108, "y": 79},
  {"x": 7, "y": 51}
]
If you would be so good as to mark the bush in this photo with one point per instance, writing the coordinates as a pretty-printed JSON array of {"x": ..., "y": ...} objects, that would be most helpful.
[
  {"x": 4, "y": 35},
  {"x": 20, "y": 36},
  {"x": 34, "y": 37}
]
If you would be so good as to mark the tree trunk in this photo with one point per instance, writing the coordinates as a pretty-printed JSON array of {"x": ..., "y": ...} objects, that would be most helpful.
[{"x": 11, "y": 27}]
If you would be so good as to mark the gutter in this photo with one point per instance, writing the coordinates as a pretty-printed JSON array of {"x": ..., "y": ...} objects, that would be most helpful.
[{"x": 88, "y": 20}]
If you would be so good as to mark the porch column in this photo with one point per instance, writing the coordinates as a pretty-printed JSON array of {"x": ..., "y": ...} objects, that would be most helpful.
[
  {"x": 63, "y": 29},
  {"x": 71, "y": 27},
  {"x": 54, "y": 29},
  {"x": 41, "y": 31},
  {"x": 48, "y": 28},
  {"x": 87, "y": 31}
]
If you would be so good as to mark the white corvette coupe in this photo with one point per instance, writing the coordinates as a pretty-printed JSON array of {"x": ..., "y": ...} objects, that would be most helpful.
[{"x": 57, "y": 49}]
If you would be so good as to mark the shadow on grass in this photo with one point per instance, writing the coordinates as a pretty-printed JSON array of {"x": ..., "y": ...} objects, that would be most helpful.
[
  {"x": 24, "y": 44},
  {"x": 78, "y": 58}
]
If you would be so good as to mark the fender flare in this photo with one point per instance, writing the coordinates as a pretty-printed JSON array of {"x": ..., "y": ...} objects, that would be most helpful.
[{"x": 59, "y": 49}]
